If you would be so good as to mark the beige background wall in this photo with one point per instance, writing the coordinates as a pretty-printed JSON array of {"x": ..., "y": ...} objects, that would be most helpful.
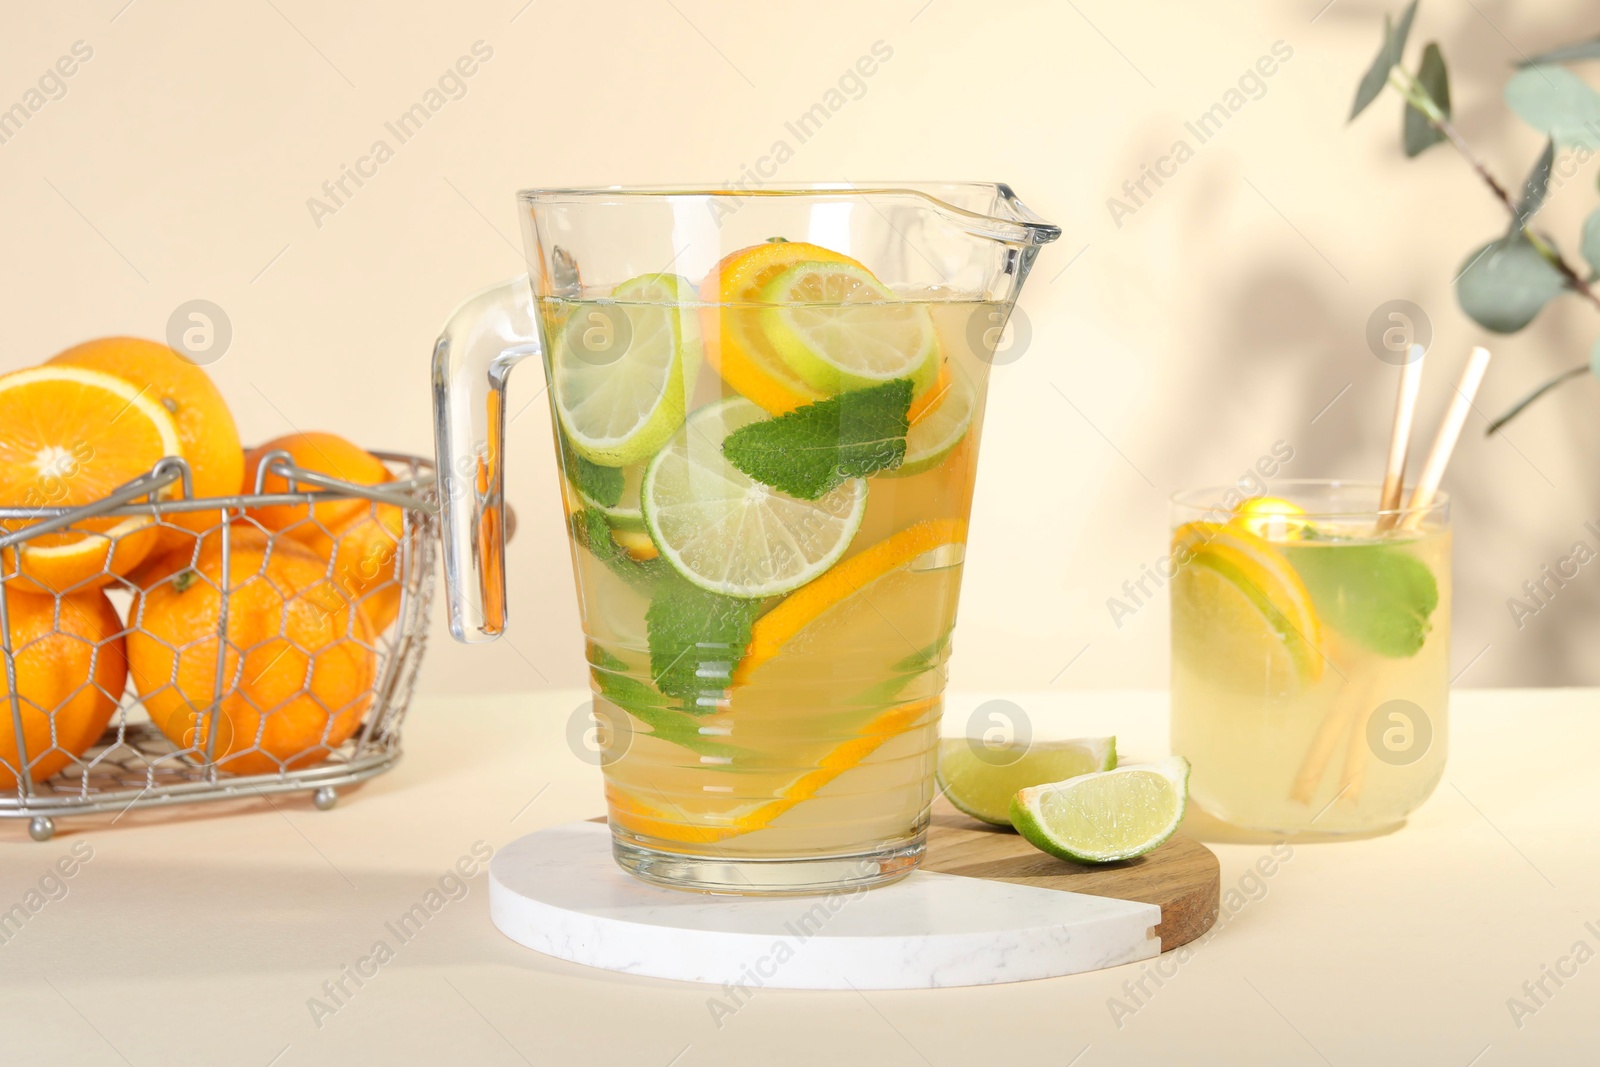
[{"x": 1225, "y": 314}]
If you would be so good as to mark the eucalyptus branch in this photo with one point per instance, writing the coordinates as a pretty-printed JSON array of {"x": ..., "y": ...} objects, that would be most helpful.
[
  {"x": 1516, "y": 409},
  {"x": 1417, "y": 95}
]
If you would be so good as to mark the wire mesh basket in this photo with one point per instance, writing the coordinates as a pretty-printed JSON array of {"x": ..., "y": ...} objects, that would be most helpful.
[{"x": 161, "y": 649}]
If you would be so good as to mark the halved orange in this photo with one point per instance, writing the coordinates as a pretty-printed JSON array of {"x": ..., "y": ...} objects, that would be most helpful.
[
  {"x": 68, "y": 436},
  {"x": 205, "y": 425},
  {"x": 734, "y": 342}
]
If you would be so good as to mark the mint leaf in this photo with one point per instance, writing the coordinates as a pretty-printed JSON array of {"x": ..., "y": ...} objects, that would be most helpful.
[
  {"x": 1380, "y": 596},
  {"x": 696, "y": 639},
  {"x": 602, "y": 485},
  {"x": 665, "y": 719},
  {"x": 818, "y": 447},
  {"x": 591, "y": 529}
]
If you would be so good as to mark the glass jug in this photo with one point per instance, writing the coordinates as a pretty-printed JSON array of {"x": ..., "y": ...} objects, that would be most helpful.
[{"x": 767, "y": 408}]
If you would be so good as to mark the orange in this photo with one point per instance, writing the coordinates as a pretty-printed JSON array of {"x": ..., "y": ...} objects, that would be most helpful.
[
  {"x": 321, "y": 453},
  {"x": 734, "y": 342},
  {"x": 206, "y": 428},
  {"x": 298, "y": 668},
  {"x": 71, "y": 669},
  {"x": 365, "y": 552},
  {"x": 360, "y": 537},
  {"x": 68, "y": 436}
]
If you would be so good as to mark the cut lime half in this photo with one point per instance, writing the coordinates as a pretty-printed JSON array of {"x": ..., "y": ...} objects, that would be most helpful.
[
  {"x": 621, "y": 370},
  {"x": 728, "y": 533},
  {"x": 839, "y": 328},
  {"x": 981, "y": 780},
  {"x": 1105, "y": 817}
]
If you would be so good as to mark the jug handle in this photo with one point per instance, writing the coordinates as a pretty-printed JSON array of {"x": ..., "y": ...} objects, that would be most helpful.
[{"x": 483, "y": 340}]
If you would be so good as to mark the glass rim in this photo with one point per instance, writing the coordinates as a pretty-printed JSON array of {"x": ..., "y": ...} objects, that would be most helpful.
[
  {"x": 1209, "y": 498},
  {"x": 1017, "y": 225}
]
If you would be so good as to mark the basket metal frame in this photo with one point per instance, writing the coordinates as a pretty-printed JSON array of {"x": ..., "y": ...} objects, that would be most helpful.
[{"x": 97, "y": 782}]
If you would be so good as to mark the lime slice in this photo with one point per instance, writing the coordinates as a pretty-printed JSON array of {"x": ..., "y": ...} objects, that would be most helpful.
[
  {"x": 1101, "y": 818},
  {"x": 840, "y": 328},
  {"x": 982, "y": 780},
  {"x": 621, "y": 370},
  {"x": 937, "y": 433},
  {"x": 728, "y": 533},
  {"x": 625, "y": 513}
]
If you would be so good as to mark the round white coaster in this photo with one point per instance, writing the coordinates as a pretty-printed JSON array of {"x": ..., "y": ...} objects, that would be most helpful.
[{"x": 559, "y": 892}]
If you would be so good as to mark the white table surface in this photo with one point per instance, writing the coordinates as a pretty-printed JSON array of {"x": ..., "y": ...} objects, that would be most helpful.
[{"x": 200, "y": 937}]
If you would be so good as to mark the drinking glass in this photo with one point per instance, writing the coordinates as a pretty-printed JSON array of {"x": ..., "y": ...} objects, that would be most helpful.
[{"x": 1310, "y": 654}]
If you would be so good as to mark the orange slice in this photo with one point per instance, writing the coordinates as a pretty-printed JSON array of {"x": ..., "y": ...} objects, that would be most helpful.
[
  {"x": 650, "y": 821},
  {"x": 731, "y": 322},
  {"x": 802, "y": 607},
  {"x": 68, "y": 436},
  {"x": 923, "y": 405}
]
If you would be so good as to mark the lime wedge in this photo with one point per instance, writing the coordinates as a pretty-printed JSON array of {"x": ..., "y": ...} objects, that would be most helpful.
[
  {"x": 726, "y": 532},
  {"x": 839, "y": 328},
  {"x": 935, "y": 435},
  {"x": 981, "y": 780},
  {"x": 621, "y": 370},
  {"x": 1101, "y": 818}
]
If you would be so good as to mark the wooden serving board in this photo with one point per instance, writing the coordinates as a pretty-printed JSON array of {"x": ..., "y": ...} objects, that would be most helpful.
[{"x": 1182, "y": 877}]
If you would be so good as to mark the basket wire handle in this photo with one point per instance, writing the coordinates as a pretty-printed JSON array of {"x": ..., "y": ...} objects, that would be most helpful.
[{"x": 282, "y": 464}]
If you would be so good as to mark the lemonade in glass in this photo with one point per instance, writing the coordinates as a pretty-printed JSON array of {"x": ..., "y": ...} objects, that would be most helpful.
[{"x": 1310, "y": 655}]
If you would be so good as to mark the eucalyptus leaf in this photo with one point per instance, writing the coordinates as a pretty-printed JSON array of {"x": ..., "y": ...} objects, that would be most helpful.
[
  {"x": 1589, "y": 49},
  {"x": 1419, "y": 133},
  {"x": 1535, "y": 187},
  {"x": 1556, "y": 101},
  {"x": 1503, "y": 284},
  {"x": 1590, "y": 241},
  {"x": 1393, "y": 48}
]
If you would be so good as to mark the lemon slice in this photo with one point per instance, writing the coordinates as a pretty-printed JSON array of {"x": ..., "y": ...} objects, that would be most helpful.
[
  {"x": 1272, "y": 518},
  {"x": 1106, "y": 817},
  {"x": 981, "y": 781},
  {"x": 1241, "y": 612},
  {"x": 621, "y": 371},
  {"x": 726, "y": 532},
  {"x": 942, "y": 426},
  {"x": 839, "y": 328}
]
